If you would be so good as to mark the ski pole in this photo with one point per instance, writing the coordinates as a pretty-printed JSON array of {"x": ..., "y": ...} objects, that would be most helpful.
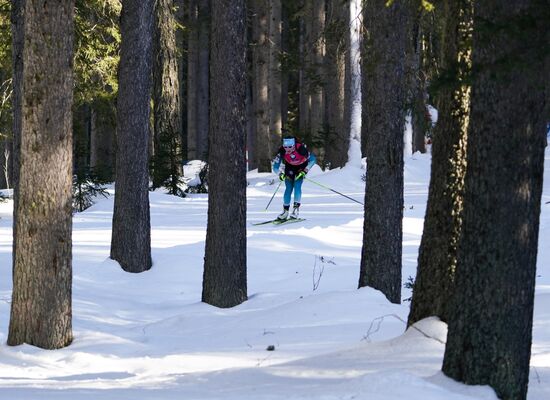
[
  {"x": 270, "y": 200},
  {"x": 332, "y": 190}
]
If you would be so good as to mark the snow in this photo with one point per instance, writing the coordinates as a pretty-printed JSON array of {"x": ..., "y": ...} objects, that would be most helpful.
[
  {"x": 148, "y": 336},
  {"x": 408, "y": 136}
]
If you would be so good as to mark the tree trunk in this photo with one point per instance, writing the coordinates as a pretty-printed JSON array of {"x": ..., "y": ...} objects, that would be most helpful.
[
  {"x": 224, "y": 281},
  {"x": 337, "y": 35},
  {"x": 491, "y": 313},
  {"x": 6, "y": 119},
  {"x": 285, "y": 74},
  {"x": 203, "y": 96},
  {"x": 81, "y": 142},
  {"x": 6, "y": 159},
  {"x": 442, "y": 225},
  {"x": 131, "y": 238},
  {"x": 94, "y": 156},
  {"x": 261, "y": 71},
  {"x": 274, "y": 77},
  {"x": 192, "y": 79},
  {"x": 41, "y": 309},
  {"x": 250, "y": 148},
  {"x": 18, "y": 39},
  {"x": 181, "y": 13},
  {"x": 250, "y": 125},
  {"x": 352, "y": 100},
  {"x": 311, "y": 73},
  {"x": 384, "y": 118},
  {"x": 103, "y": 139},
  {"x": 419, "y": 123},
  {"x": 167, "y": 135},
  {"x": 197, "y": 79},
  {"x": 266, "y": 85},
  {"x": 304, "y": 100},
  {"x": 317, "y": 67}
]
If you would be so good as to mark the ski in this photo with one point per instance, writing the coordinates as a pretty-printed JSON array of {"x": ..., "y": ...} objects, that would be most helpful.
[
  {"x": 279, "y": 221},
  {"x": 287, "y": 221},
  {"x": 264, "y": 222}
]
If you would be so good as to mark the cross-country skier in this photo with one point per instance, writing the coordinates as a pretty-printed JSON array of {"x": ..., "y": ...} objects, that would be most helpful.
[{"x": 297, "y": 161}]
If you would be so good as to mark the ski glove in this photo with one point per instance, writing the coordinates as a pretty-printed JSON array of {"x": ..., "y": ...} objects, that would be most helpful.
[
  {"x": 282, "y": 176},
  {"x": 301, "y": 175}
]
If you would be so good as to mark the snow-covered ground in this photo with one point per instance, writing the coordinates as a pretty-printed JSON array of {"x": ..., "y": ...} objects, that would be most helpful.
[{"x": 148, "y": 336}]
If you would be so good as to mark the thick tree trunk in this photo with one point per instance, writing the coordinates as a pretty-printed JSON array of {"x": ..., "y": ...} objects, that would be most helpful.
[
  {"x": 442, "y": 225},
  {"x": 224, "y": 282},
  {"x": 384, "y": 118},
  {"x": 167, "y": 118},
  {"x": 491, "y": 313},
  {"x": 337, "y": 34},
  {"x": 42, "y": 273},
  {"x": 131, "y": 238}
]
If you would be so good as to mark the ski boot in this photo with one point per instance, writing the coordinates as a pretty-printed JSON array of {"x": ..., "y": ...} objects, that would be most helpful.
[
  {"x": 295, "y": 211},
  {"x": 284, "y": 214}
]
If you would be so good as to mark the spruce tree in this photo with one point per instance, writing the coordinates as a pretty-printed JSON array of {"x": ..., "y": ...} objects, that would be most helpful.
[
  {"x": 337, "y": 32},
  {"x": 224, "y": 281},
  {"x": 131, "y": 238},
  {"x": 442, "y": 224},
  {"x": 41, "y": 309},
  {"x": 491, "y": 311},
  {"x": 167, "y": 146},
  {"x": 383, "y": 120}
]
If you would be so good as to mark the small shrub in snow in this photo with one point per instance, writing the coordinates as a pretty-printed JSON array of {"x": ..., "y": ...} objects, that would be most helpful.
[{"x": 86, "y": 187}]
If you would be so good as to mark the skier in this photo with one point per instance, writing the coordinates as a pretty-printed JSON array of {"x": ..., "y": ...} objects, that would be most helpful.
[{"x": 297, "y": 161}]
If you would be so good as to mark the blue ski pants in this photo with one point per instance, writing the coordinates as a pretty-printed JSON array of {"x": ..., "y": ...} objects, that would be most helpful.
[{"x": 296, "y": 185}]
